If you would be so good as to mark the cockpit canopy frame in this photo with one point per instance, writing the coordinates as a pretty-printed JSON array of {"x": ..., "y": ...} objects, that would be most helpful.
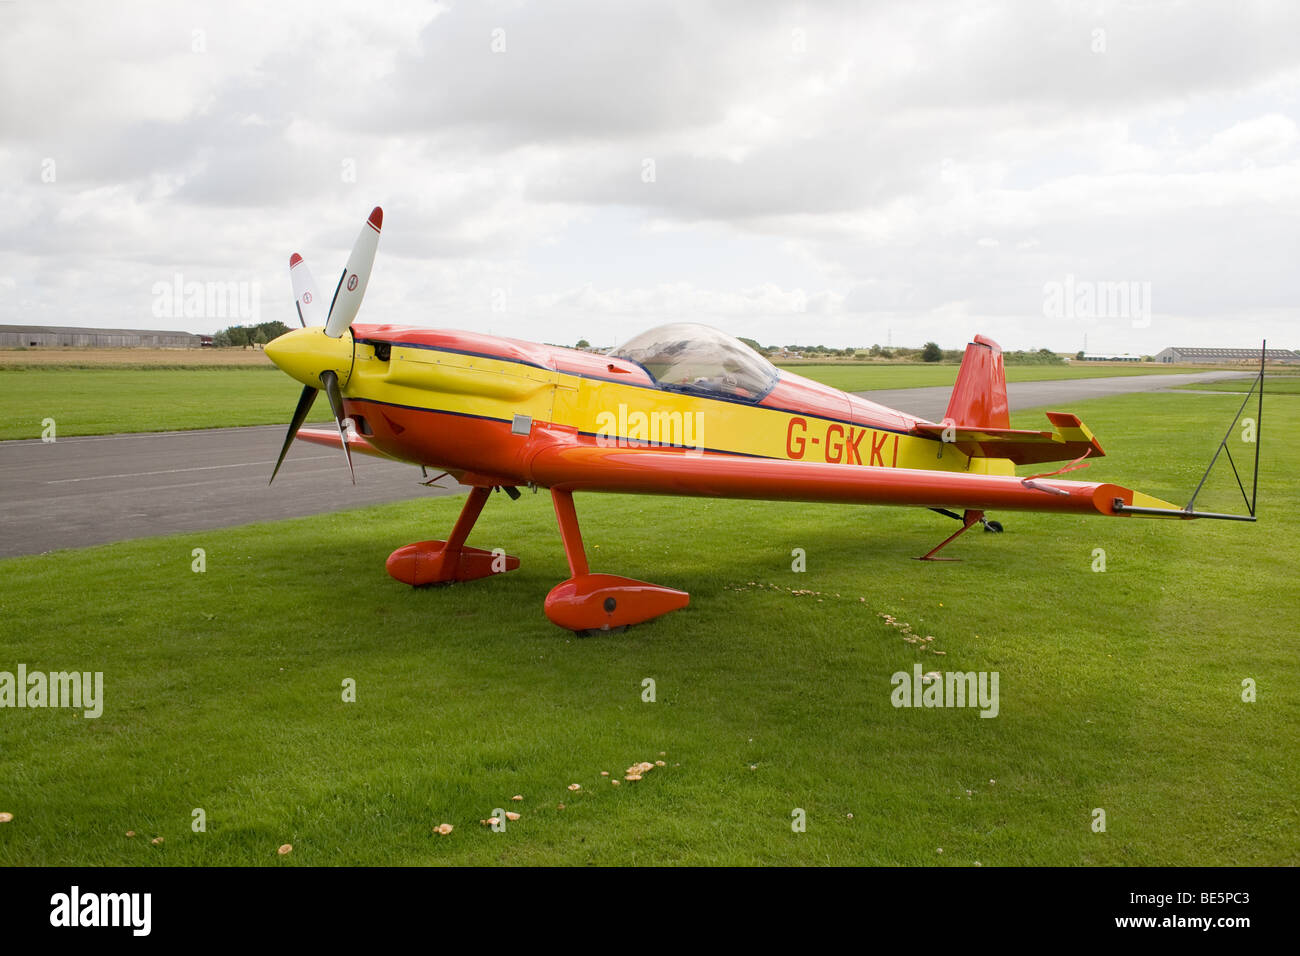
[{"x": 700, "y": 360}]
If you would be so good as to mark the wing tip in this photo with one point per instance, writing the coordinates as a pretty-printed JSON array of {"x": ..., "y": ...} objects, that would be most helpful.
[
  {"x": 376, "y": 219},
  {"x": 295, "y": 260}
]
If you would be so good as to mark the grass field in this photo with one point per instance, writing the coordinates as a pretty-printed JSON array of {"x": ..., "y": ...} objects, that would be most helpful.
[
  {"x": 1118, "y": 690},
  {"x": 1275, "y": 383},
  {"x": 132, "y": 358},
  {"x": 92, "y": 399},
  {"x": 863, "y": 378},
  {"x": 104, "y": 401}
]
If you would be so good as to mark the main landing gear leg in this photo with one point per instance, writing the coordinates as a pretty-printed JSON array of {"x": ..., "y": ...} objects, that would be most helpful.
[
  {"x": 588, "y": 602},
  {"x": 968, "y": 520},
  {"x": 441, "y": 562}
]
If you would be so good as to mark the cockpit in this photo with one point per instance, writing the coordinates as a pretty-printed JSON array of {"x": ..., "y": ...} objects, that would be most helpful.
[{"x": 699, "y": 360}]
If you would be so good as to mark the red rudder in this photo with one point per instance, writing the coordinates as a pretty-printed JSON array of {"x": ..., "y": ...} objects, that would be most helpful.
[{"x": 979, "y": 399}]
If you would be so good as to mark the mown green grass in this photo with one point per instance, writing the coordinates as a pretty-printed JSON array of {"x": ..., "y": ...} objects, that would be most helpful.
[
  {"x": 1275, "y": 383},
  {"x": 1118, "y": 690},
  {"x": 108, "y": 400},
  {"x": 864, "y": 378}
]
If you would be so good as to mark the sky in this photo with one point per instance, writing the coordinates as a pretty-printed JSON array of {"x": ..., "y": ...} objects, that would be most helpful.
[{"x": 1125, "y": 174}]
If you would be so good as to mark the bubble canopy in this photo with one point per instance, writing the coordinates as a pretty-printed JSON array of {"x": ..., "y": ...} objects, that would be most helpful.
[{"x": 686, "y": 357}]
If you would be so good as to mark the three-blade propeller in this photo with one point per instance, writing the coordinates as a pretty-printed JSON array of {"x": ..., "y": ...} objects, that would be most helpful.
[
  {"x": 305, "y": 297},
  {"x": 352, "y": 283},
  {"x": 338, "y": 320},
  {"x": 305, "y": 402}
]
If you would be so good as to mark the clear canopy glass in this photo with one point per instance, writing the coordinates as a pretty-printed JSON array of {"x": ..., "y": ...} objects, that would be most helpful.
[{"x": 687, "y": 357}]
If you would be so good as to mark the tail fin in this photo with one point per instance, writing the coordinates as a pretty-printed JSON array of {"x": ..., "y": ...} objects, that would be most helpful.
[{"x": 979, "y": 399}]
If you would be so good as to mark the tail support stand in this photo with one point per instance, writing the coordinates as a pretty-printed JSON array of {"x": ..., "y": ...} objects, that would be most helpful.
[
  {"x": 586, "y": 602},
  {"x": 1251, "y": 500},
  {"x": 441, "y": 562},
  {"x": 969, "y": 520}
]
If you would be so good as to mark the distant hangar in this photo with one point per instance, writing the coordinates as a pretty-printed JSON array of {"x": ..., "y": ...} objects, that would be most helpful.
[
  {"x": 1225, "y": 356},
  {"x": 36, "y": 336}
]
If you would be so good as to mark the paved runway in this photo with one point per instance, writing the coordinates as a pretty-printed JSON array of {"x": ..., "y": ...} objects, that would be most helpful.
[{"x": 82, "y": 491}]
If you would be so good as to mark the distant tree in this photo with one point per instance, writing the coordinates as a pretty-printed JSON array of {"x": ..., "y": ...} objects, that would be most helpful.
[
  {"x": 931, "y": 352},
  {"x": 246, "y": 335},
  {"x": 1079, "y": 355},
  {"x": 1036, "y": 357},
  {"x": 751, "y": 343},
  {"x": 583, "y": 344}
]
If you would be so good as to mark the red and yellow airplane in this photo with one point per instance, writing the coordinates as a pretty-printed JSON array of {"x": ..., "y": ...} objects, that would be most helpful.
[{"x": 682, "y": 409}]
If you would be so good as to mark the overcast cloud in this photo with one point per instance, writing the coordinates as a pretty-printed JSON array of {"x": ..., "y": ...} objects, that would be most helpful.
[{"x": 813, "y": 173}]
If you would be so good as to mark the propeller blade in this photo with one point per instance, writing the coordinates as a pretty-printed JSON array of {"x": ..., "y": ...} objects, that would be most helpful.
[
  {"x": 305, "y": 401},
  {"x": 311, "y": 311},
  {"x": 352, "y": 283},
  {"x": 330, "y": 379}
]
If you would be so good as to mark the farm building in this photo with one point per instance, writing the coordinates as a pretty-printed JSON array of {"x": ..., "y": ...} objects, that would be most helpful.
[
  {"x": 33, "y": 336},
  {"x": 1174, "y": 355},
  {"x": 1110, "y": 357}
]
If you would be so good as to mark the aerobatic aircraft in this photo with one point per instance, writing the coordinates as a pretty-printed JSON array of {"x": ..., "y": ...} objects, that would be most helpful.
[{"x": 682, "y": 409}]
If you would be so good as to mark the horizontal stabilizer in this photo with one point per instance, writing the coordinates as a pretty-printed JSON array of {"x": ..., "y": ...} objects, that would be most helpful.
[{"x": 1068, "y": 440}]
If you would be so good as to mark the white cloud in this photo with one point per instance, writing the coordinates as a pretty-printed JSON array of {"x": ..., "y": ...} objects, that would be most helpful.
[{"x": 831, "y": 172}]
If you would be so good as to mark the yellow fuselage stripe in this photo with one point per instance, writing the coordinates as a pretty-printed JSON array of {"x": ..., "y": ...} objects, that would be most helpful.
[{"x": 636, "y": 415}]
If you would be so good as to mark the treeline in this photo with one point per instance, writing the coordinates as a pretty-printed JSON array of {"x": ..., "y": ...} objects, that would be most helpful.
[
  {"x": 1041, "y": 357},
  {"x": 930, "y": 352},
  {"x": 248, "y": 336}
]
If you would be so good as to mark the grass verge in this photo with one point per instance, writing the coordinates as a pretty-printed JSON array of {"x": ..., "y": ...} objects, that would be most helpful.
[
  {"x": 108, "y": 401},
  {"x": 865, "y": 378}
]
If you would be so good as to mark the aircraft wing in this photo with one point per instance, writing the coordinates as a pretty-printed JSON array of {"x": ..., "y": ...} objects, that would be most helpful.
[
  {"x": 329, "y": 437},
  {"x": 676, "y": 472},
  {"x": 1068, "y": 440}
]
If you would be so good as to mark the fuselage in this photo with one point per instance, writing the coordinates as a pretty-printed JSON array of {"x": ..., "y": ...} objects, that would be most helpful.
[{"x": 477, "y": 405}]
